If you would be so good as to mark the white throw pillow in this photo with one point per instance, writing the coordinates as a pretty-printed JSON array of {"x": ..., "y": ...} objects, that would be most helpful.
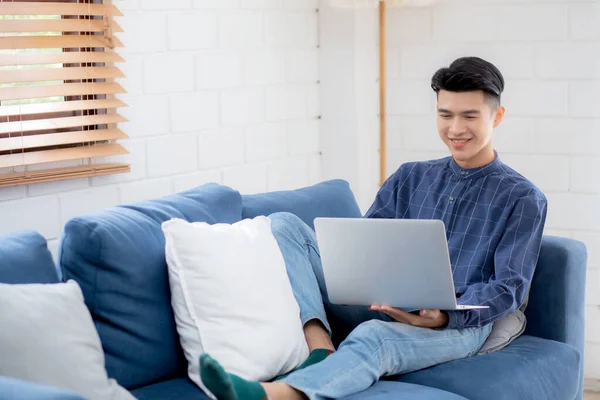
[
  {"x": 232, "y": 298},
  {"x": 47, "y": 336}
]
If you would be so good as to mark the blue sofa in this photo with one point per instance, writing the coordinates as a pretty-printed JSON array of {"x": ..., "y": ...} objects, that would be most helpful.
[{"x": 117, "y": 257}]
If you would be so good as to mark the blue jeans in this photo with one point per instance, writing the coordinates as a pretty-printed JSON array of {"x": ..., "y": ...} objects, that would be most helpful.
[{"x": 376, "y": 346}]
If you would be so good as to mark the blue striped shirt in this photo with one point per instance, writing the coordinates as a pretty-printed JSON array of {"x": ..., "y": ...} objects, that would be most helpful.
[{"x": 494, "y": 220}]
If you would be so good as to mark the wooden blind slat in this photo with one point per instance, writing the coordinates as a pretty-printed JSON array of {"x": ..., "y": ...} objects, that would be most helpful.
[
  {"x": 43, "y": 8},
  {"x": 65, "y": 89},
  {"x": 60, "y": 58},
  {"x": 32, "y": 132},
  {"x": 58, "y": 139},
  {"x": 59, "y": 123},
  {"x": 57, "y": 174},
  {"x": 56, "y": 25},
  {"x": 63, "y": 106},
  {"x": 49, "y": 156},
  {"x": 59, "y": 41},
  {"x": 59, "y": 74}
]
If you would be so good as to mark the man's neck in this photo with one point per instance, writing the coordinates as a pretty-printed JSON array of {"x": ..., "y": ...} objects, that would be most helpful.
[{"x": 481, "y": 159}]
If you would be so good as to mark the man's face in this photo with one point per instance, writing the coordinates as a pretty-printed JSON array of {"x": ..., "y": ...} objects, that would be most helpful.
[{"x": 466, "y": 121}]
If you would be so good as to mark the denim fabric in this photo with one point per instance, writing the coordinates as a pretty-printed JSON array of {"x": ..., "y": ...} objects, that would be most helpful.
[
  {"x": 16, "y": 389},
  {"x": 326, "y": 199},
  {"x": 376, "y": 347},
  {"x": 494, "y": 220}
]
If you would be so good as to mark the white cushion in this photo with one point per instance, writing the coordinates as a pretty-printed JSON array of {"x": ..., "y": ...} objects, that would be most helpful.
[
  {"x": 47, "y": 336},
  {"x": 232, "y": 298}
]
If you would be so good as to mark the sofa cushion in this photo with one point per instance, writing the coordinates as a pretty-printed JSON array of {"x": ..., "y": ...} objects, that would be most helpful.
[
  {"x": 17, "y": 389},
  {"x": 184, "y": 389},
  {"x": 25, "y": 258},
  {"x": 118, "y": 258},
  {"x": 530, "y": 368},
  {"x": 327, "y": 199},
  {"x": 174, "y": 389},
  {"x": 399, "y": 390}
]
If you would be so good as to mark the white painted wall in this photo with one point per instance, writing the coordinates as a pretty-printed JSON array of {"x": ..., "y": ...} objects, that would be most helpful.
[
  {"x": 349, "y": 98},
  {"x": 218, "y": 91},
  {"x": 549, "y": 53}
]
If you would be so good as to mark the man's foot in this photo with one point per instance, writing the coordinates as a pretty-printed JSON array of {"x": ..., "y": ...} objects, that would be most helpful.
[
  {"x": 228, "y": 386},
  {"x": 316, "y": 356}
]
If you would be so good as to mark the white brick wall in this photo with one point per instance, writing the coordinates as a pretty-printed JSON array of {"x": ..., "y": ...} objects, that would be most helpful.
[
  {"x": 243, "y": 106},
  {"x": 227, "y": 91},
  {"x": 550, "y": 56},
  {"x": 219, "y": 91},
  {"x": 191, "y": 31},
  {"x": 218, "y": 70}
]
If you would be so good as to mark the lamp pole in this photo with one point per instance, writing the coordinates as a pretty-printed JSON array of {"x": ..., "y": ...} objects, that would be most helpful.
[{"x": 382, "y": 93}]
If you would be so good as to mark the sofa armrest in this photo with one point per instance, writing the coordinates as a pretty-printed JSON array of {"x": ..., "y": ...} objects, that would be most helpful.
[
  {"x": 556, "y": 308},
  {"x": 16, "y": 389}
]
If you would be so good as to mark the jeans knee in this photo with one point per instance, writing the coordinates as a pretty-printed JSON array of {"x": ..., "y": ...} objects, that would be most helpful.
[
  {"x": 288, "y": 223},
  {"x": 368, "y": 332},
  {"x": 367, "y": 342},
  {"x": 287, "y": 217},
  {"x": 373, "y": 341}
]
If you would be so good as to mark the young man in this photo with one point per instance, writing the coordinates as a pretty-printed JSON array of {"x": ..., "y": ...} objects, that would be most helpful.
[{"x": 494, "y": 220}]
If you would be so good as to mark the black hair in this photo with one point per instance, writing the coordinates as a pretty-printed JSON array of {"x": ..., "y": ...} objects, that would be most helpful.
[{"x": 468, "y": 74}]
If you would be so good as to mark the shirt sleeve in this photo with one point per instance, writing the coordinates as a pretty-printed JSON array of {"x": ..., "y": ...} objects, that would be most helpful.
[
  {"x": 384, "y": 205},
  {"x": 514, "y": 263}
]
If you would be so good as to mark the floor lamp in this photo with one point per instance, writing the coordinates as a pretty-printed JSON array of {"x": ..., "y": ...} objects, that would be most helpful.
[
  {"x": 383, "y": 6},
  {"x": 382, "y": 93}
]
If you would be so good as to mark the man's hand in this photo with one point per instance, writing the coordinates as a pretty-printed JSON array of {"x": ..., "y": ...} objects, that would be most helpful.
[{"x": 425, "y": 319}]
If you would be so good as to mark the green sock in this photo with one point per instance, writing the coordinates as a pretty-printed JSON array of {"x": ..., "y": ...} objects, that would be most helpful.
[
  {"x": 316, "y": 356},
  {"x": 228, "y": 386}
]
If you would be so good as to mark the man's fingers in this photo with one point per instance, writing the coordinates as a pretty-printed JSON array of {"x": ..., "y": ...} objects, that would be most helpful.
[
  {"x": 395, "y": 317},
  {"x": 425, "y": 318},
  {"x": 399, "y": 315},
  {"x": 390, "y": 311}
]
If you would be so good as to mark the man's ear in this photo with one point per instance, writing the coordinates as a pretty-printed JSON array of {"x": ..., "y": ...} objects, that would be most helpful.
[{"x": 499, "y": 115}]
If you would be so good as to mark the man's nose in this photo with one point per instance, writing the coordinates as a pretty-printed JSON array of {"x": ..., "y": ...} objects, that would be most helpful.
[{"x": 456, "y": 126}]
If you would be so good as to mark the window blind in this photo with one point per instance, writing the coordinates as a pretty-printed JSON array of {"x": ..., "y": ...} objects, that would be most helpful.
[{"x": 58, "y": 62}]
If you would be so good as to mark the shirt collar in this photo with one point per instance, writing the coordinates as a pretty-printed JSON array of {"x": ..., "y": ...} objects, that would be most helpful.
[{"x": 473, "y": 173}]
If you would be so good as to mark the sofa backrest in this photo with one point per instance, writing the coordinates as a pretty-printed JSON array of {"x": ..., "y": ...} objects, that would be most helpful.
[
  {"x": 327, "y": 199},
  {"x": 25, "y": 258},
  {"x": 118, "y": 258},
  {"x": 556, "y": 308}
]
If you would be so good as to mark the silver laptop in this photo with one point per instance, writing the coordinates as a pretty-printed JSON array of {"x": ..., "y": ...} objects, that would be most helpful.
[{"x": 403, "y": 263}]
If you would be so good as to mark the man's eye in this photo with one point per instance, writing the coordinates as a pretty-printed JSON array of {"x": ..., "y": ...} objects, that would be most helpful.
[
  {"x": 445, "y": 116},
  {"x": 470, "y": 117}
]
